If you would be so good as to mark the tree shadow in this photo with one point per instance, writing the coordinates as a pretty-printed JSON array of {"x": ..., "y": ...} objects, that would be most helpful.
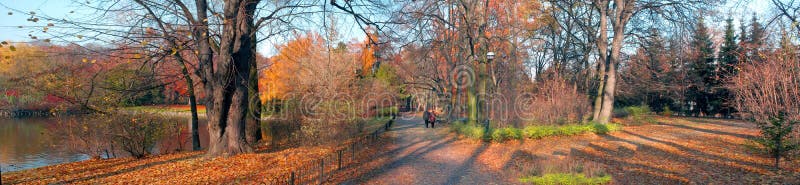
[
  {"x": 397, "y": 162},
  {"x": 99, "y": 167},
  {"x": 713, "y": 171},
  {"x": 721, "y": 122},
  {"x": 139, "y": 167},
  {"x": 461, "y": 171},
  {"x": 716, "y": 132},
  {"x": 698, "y": 152}
]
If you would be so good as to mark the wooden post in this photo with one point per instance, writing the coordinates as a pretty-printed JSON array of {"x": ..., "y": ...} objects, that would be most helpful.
[
  {"x": 340, "y": 159},
  {"x": 321, "y": 170},
  {"x": 291, "y": 178}
]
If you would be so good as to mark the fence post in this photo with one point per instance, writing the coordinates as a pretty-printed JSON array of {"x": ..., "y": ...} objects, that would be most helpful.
[
  {"x": 291, "y": 179},
  {"x": 321, "y": 170},
  {"x": 340, "y": 159},
  {"x": 353, "y": 149}
]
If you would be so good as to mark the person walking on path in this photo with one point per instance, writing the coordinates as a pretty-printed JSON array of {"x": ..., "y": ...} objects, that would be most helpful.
[{"x": 430, "y": 118}]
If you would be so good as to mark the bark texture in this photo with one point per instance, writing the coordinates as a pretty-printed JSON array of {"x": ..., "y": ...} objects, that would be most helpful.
[{"x": 231, "y": 76}]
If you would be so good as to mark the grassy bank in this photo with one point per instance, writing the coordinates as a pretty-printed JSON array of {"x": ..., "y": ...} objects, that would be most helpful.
[
  {"x": 530, "y": 132},
  {"x": 566, "y": 178},
  {"x": 166, "y": 108}
]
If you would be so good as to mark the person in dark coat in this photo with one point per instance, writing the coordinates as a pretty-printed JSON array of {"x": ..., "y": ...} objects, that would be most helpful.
[{"x": 430, "y": 118}]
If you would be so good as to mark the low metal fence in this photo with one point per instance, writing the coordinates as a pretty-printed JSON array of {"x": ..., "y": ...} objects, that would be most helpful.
[{"x": 320, "y": 170}]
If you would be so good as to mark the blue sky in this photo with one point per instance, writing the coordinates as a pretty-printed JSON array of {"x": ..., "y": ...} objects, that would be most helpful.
[
  {"x": 69, "y": 9},
  {"x": 9, "y": 30}
]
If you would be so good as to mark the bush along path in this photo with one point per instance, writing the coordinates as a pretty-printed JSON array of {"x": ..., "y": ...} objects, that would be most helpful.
[{"x": 673, "y": 151}]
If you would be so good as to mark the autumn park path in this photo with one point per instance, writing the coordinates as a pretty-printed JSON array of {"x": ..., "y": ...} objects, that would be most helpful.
[
  {"x": 419, "y": 155},
  {"x": 671, "y": 151}
]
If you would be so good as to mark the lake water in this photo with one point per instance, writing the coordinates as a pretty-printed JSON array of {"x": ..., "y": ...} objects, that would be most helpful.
[{"x": 27, "y": 143}]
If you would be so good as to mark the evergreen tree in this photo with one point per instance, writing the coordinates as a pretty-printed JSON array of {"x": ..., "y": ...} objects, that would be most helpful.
[
  {"x": 702, "y": 72},
  {"x": 728, "y": 51},
  {"x": 743, "y": 40},
  {"x": 727, "y": 60},
  {"x": 756, "y": 40}
]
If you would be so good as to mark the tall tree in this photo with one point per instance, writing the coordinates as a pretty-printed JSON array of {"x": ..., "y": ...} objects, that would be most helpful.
[
  {"x": 702, "y": 71},
  {"x": 602, "y": 52},
  {"x": 728, "y": 62},
  {"x": 621, "y": 12},
  {"x": 756, "y": 40}
]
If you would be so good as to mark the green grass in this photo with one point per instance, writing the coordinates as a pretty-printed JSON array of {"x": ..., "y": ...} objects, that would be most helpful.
[
  {"x": 531, "y": 132},
  {"x": 386, "y": 111},
  {"x": 470, "y": 130},
  {"x": 166, "y": 108},
  {"x": 636, "y": 115},
  {"x": 566, "y": 179}
]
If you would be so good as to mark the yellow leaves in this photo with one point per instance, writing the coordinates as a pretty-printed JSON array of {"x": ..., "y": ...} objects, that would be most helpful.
[
  {"x": 137, "y": 56},
  {"x": 174, "y": 51},
  {"x": 85, "y": 60},
  {"x": 144, "y": 43}
]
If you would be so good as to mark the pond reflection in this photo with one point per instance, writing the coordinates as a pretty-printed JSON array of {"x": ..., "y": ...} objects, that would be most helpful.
[{"x": 29, "y": 143}]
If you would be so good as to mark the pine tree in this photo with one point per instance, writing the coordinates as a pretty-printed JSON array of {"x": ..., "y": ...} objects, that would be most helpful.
[
  {"x": 756, "y": 39},
  {"x": 702, "y": 70},
  {"x": 743, "y": 40},
  {"x": 728, "y": 61}
]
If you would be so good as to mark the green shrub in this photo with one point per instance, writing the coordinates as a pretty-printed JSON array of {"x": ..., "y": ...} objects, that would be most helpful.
[
  {"x": 566, "y": 178},
  {"x": 637, "y": 115},
  {"x": 635, "y": 111},
  {"x": 503, "y": 134},
  {"x": 569, "y": 130},
  {"x": 777, "y": 138},
  {"x": 537, "y": 132},
  {"x": 532, "y": 132},
  {"x": 468, "y": 129},
  {"x": 386, "y": 111},
  {"x": 666, "y": 111},
  {"x": 604, "y": 128}
]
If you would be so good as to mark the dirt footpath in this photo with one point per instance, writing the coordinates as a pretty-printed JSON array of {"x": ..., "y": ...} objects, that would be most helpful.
[{"x": 675, "y": 151}]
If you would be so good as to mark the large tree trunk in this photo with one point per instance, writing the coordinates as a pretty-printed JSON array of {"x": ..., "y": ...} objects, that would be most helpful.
[
  {"x": 227, "y": 116},
  {"x": 623, "y": 12},
  {"x": 602, "y": 50},
  {"x": 253, "y": 129}
]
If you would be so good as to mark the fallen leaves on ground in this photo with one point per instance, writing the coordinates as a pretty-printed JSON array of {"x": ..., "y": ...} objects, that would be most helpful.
[
  {"x": 181, "y": 168},
  {"x": 673, "y": 151}
]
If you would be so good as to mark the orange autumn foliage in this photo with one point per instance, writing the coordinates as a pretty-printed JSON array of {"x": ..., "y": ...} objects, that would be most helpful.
[
  {"x": 277, "y": 79},
  {"x": 368, "y": 57}
]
